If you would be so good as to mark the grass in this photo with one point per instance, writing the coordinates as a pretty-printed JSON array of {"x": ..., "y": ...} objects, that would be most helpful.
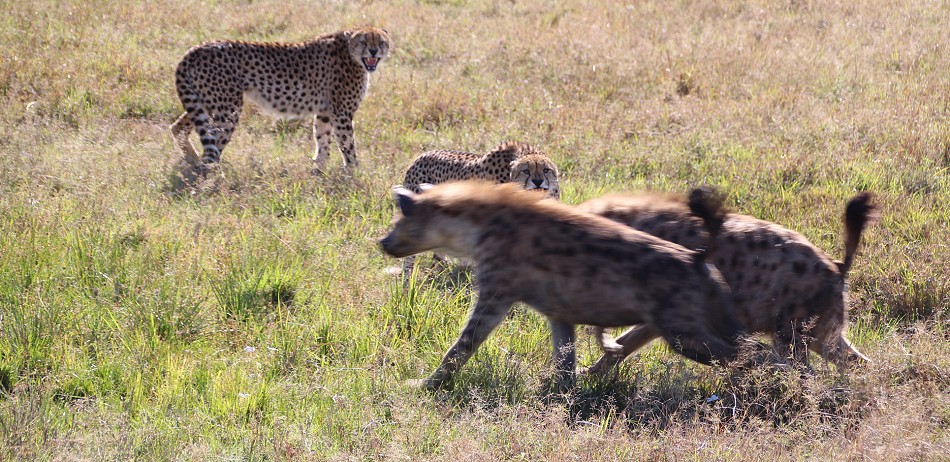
[{"x": 250, "y": 316}]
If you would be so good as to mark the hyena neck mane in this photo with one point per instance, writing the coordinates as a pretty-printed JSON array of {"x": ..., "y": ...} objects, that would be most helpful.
[
  {"x": 477, "y": 199},
  {"x": 470, "y": 212}
]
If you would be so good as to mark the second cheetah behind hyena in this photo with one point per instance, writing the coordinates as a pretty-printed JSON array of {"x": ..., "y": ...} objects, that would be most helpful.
[
  {"x": 325, "y": 78},
  {"x": 781, "y": 283},
  {"x": 509, "y": 162},
  {"x": 572, "y": 267}
]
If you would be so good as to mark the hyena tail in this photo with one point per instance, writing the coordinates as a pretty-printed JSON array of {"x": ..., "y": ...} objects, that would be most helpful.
[
  {"x": 860, "y": 212},
  {"x": 707, "y": 203}
]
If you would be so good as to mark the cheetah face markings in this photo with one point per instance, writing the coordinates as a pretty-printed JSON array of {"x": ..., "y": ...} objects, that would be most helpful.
[
  {"x": 536, "y": 172},
  {"x": 369, "y": 46}
]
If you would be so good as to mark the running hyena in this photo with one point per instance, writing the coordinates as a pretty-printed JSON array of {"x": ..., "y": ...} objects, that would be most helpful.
[
  {"x": 782, "y": 285},
  {"x": 573, "y": 267}
]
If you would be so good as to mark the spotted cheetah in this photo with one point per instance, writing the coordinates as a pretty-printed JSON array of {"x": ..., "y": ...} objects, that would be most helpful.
[
  {"x": 571, "y": 266},
  {"x": 325, "y": 78},
  {"x": 781, "y": 283},
  {"x": 510, "y": 161}
]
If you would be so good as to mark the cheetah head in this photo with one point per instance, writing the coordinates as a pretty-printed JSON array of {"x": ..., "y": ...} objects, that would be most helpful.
[
  {"x": 536, "y": 171},
  {"x": 369, "y": 46}
]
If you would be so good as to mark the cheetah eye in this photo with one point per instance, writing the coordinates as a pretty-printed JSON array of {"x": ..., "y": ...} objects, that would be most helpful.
[
  {"x": 547, "y": 170},
  {"x": 526, "y": 171}
]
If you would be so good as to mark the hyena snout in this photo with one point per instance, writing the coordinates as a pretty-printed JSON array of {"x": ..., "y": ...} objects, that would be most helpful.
[{"x": 390, "y": 245}]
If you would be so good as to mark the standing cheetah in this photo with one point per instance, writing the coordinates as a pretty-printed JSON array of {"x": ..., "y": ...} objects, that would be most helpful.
[
  {"x": 781, "y": 283},
  {"x": 573, "y": 267},
  {"x": 511, "y": 161},
  {"x": 325, "y": 78}
]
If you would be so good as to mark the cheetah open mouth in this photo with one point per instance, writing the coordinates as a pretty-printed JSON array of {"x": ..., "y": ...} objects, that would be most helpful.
[{"x": 370, "y": 63}]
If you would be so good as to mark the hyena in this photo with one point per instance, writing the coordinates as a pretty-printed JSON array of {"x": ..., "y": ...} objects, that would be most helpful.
[
  {"x": 510, "y": 161},
  {"x": 781, "y": 283},
  {"x": 572, "y": 267}
]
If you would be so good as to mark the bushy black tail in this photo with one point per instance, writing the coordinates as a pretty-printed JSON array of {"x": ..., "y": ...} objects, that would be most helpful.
[
  {"x": 860, "y": 212},
  {"x": 706, "y": 203}
]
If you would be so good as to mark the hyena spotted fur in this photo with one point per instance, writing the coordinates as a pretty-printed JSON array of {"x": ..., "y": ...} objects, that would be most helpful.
[
  {"x": 782, "y": 285},
  {"x": 572, "y": 267},
  {"x": 509, "y": 162}
]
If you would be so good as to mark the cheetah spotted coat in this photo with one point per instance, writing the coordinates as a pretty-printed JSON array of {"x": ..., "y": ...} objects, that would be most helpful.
[{"x": 325, "y": 78}]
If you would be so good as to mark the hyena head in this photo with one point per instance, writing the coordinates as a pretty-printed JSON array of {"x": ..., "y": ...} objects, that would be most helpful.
[
  {"x": 369, "y": 46},
  {"x": 426, "y": 224},
  {"x": 536, "y": 171}
]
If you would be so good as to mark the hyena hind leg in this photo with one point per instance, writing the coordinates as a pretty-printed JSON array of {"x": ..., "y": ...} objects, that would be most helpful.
[{"x": 607, "y": 344}]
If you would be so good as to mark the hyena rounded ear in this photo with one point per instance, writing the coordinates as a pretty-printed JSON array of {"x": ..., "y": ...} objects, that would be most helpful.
[
  {"x": 425, "y": 186},
  {"x": 406, "y": 200}
]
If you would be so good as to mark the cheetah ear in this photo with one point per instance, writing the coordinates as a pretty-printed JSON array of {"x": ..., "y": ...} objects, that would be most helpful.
[
  {"x": 406, "y": 200},
  {"x": 425, "y": 186}
]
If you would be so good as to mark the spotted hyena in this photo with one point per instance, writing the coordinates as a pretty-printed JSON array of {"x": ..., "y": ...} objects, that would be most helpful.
[
  {"x": 781, "y": 283},
  {"x": 509, "y": 162},
  {"x": 573, "y": 267}
]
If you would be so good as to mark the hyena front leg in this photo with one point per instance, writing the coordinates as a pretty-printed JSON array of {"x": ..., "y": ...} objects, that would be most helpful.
[
  {"x": 489, "y": 311},
  {"x": 565, "y": 353},
  {"x": 631, "y": 341}
]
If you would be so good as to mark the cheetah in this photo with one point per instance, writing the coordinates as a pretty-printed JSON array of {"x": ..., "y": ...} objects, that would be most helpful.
[
  {"x": 781, "y": 283},
  {"x": 510, "y": 161},
  {"x": 571, "y": 266},
  {"x": 325, "y": 78}
]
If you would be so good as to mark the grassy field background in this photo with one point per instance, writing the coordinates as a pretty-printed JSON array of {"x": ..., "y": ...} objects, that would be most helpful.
[{"x": 251, "y": 317}]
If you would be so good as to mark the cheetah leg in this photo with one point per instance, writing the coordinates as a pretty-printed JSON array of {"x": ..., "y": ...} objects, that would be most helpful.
[
  {"x": 321, "y": 137},
  {"x": 488, "y": 313},
  {"x": 180, "y": 131},
  {"x": 631, "y": 341},
  {"x": 343, "y": 127},
  {"x": 215, "y": 129},
  {"x": 565, "y": 353}
]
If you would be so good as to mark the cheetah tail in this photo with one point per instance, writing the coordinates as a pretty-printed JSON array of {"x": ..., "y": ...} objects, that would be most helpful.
[
  {"x": 860, "y": 212},
  {"x": 706, "y": 203}
]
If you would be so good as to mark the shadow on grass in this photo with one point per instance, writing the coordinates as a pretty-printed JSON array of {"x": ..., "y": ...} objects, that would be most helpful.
[{"x": 669, "y": 394}]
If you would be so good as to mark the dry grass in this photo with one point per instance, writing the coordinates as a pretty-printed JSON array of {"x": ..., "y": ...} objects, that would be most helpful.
[{"x": 248, "y": 316}]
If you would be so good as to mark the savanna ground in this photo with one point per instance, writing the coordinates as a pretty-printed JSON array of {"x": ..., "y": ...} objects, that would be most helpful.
[{"x": 250, "y": 315}]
